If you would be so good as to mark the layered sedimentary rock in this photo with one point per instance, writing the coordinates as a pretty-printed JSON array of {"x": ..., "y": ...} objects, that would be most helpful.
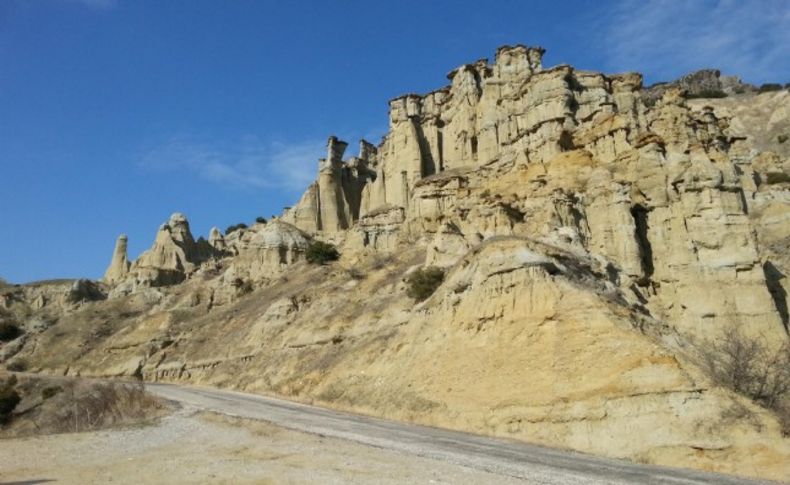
[
  {"x": 665, "y": 197},
  {"x": 593, "y": 244}
]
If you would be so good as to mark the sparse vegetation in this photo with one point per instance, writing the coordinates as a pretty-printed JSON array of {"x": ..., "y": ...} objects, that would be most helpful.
[
  {"x": 706, "y": 93},
  {"x": 750, "y": 367},
  {"x": 781, "y": 138},
  {"x": 9, "y": 398},
  {"x": 9, "y": 331},
  {"x": 235, "y": 227},
  {"x": 242, "y": 286},
  {"x": 50, "y": 392},
  {"x": 18, "y": 365},
  {"x": 380, "y": 261},
  {"x": 423, "y": 282},
  {"x": 260, "y": 220},
  {"x": 66, "y": 405},
  {"x": 355, "y": 273},
  {"x": 768, "y": 87},
  {"x": 105, "y": 404},
  {"x": 320, "y": 252}
]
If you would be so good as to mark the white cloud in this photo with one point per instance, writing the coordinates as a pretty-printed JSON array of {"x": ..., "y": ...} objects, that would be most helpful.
[
  {"x": 667, "y": 38},
  {"x": 250, "y": 162}
]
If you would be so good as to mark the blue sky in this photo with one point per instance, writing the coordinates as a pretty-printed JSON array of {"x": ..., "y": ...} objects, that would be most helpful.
[{"x": 115, "y": 113}]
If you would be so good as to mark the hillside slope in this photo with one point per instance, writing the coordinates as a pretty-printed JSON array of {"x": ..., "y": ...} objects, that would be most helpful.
[{"x": 591, "y": 247}]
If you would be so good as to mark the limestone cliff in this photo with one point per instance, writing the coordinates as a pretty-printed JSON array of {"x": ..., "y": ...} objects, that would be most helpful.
[{"x": 593, "y": 242}]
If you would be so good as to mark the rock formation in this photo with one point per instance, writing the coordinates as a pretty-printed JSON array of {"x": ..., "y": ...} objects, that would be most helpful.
[
  {"x": 704, "y": 83},
  {"x": 174, "y": 255},
  {"x": 267, "y": 252},
  {"x": 662, "y": 194},
  {"x": 216, "y": 240},
  {"x": 119, "y": 266},
  {"x": 332, "y": 203},
  {"x": 596, "y": 237}
]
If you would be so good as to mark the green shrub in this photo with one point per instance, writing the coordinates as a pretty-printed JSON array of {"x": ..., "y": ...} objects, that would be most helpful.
[
  {"x": 768, "y": 87},
  {"x": 9, "y": 331},
  {"x": 423, "y": 282},
  {"x": 50, "y": 391},
  {"x": 320, "y": 252},
  {"x": 260, "y": 220},
  {"x": 781, "y": 138},
  {"x": 235, "y": 227},
  {"x": 707, "y": 93},
  {"x": 9, "y": 398}
]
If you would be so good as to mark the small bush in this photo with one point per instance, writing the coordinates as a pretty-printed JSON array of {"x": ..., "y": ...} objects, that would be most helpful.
[
  {"x": 9, "y": 331},
  {"x": 423, "y": 282},
  {"x": 260, "y": 220},
  {"x": 18, "y": 365},
  {"x": 781, "y": 138},
  {"x": 768, "y": 87},
  {"x": 748, "y": 367},
  {"x": 9, "y": 398},
  {"x": 320, "y": 252},
  {"x": 50, "y": 391},
  {"x": 242, "y": 286},
  {"x": 380, "y": 261},
  {"x": 355, "y": 273},
  {"x": 235, "y": 227},
  {"x": 105, "y": 404},
  {"x": 707, "y": 93}
]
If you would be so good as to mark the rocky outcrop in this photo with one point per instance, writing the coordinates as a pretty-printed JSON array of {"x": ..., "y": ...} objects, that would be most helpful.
[
  {"x": 333, "y": 202},
  {"x": 216, "y": 240},
  {"x": 661, "y": 194},
  {"x": 267, "y": 252},
  {"x": 174, "y": 255},
  {"x": 704, "y": 83},
  {"x": 84, "y": 290},
  {"x": 119, "y": 266}
]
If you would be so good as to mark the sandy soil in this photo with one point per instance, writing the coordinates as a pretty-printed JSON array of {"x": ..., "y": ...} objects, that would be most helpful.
[{"x": 198, "y": 447}]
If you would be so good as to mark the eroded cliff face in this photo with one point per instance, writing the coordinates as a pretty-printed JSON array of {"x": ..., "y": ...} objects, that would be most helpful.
[
  {"x": 670, "y": 197},
  {"x": 590, "y": 244}
]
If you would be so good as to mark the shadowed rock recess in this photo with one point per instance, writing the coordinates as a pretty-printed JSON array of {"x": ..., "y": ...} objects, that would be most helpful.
[{"x": 591, "y": 244}]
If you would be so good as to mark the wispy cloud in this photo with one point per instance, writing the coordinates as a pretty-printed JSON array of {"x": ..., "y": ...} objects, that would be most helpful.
[
  {"x": 249, "y": 162},
  {"x": 667, "y": 38}
]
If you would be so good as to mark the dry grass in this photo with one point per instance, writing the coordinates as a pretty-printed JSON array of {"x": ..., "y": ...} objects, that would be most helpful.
[
  {"x": 52, "y": 406},
  {"x": 750, "y": 367}
]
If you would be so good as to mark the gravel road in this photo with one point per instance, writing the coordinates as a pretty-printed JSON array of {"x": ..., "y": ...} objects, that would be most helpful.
[{"x": 504, "y": 459}]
